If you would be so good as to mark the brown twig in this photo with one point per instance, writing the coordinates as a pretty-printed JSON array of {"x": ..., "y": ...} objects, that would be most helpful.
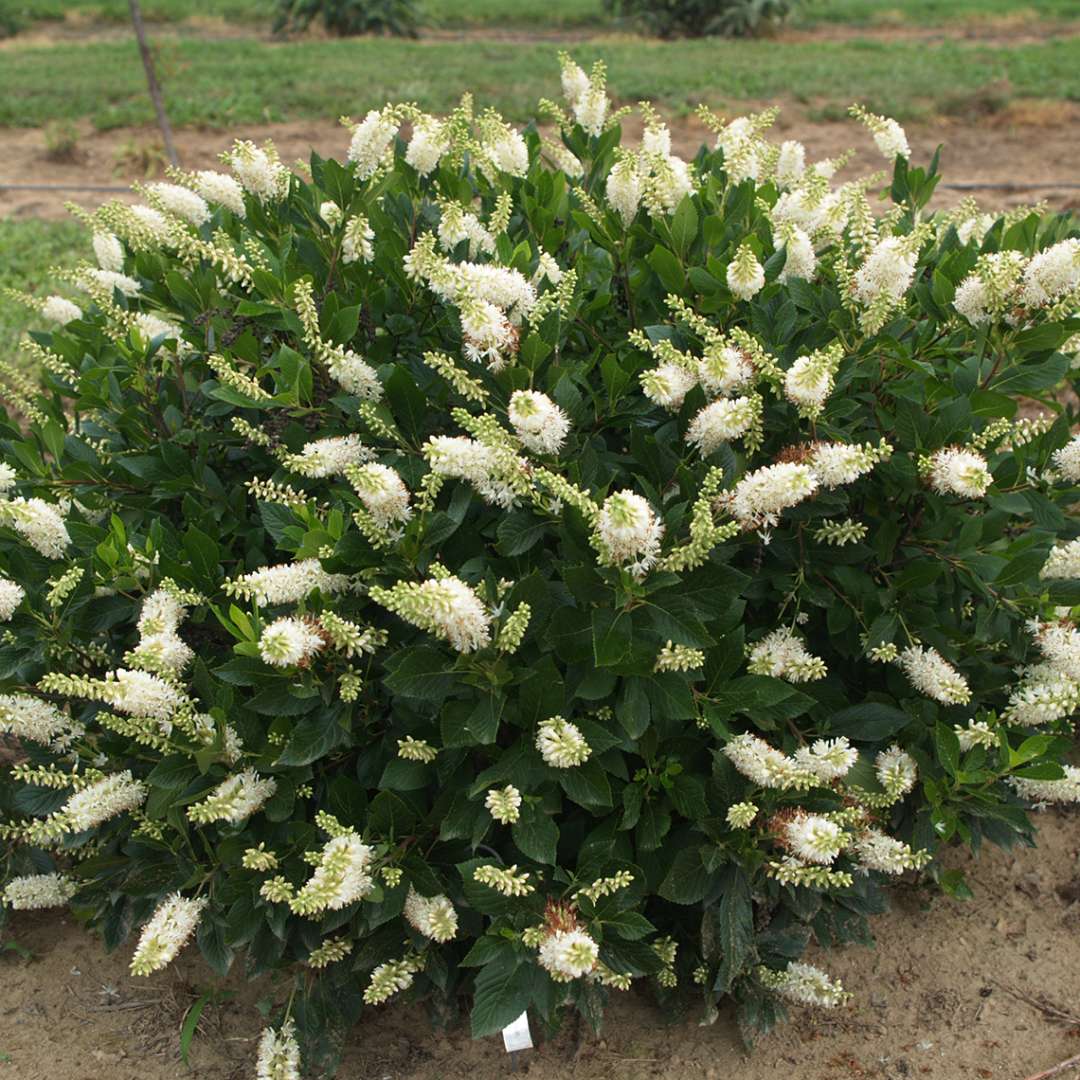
[
  {"x": 1047, "y": 1008},
  {"x": 1058, "y": 1069}
]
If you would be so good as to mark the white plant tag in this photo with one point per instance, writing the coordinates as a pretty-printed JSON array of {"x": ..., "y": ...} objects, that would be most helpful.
[{"x": 516, "y": 1036}]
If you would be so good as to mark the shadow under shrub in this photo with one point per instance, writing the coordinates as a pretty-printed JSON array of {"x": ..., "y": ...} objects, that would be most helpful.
[{"x": 496, "y": 570}]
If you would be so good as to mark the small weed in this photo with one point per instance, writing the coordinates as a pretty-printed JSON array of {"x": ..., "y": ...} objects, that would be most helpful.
[
  {"x": 62, "y": 142},
  {"x": 140, "y": 158}
]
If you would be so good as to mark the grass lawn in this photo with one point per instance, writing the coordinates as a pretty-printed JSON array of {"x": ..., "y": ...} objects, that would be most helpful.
[
  {"x": 221, "y": 83},
  {"x": 30, "y": 249},
  {"x": 550, "y": 13}
]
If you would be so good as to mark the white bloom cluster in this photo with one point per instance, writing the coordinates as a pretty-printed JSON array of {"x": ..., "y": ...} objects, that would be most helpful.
[
  {"x": 428, "y": 143},
  {"x": 432, "y": 916},
  {"x": 235, "y": 799},
  {"x": 628, "y": 532},
  {"x": 357, "y": 245},
  {"x": 279, "y": 1054},
  {"x": 289, "y": 641},
  {"x": 668, "y": 384},
  {"x": 790, "y": 163},
  {"x": 932, "y": 675},
  {"x": 724, "y": 369},
  {"x": 811, "y": 209},
  {"x": 259, "y": 171},
  {"x": 383, "y": 493},
  {"x": 561, "y": 744},
  {"x": 991, "y": 290},
  {"x": 1045, "y": 693},
  {"x": 722, "y": 421},
  {"x": 1067, "y": 460},
  {"x": 457, "y": 225},
  {"x": 153, "y": 326},
  {"x": 538, "y": 422},
  {"x": 166, "y": 933},
  {"x": 57, "y": 309},
  {"x": 976, "y": 733},
  {"x": 765, "y": 765},
  {"x": 39, "y": 523},
  {"x": 623, "y": 188},
  {"x": 827, "y": 759},
  {"x": 504, "y": 804},
  {"x": 222, "y": 189},
  {"x": 874, "y": 850},
  {"x": 342, "y": 876},
  {"x": 1052, "y": 275},
  {"x": 1063, "y": 561},
  {"x": 889, "y": 136},
  {"x": 329, "y": 457},
  {"x": 111, "y": 281},
  {"x": 371, "y": 141},
  {"x": 653, "y": 177},
  {"x": 1059, "y": 642},
  {"x": 783, "y": 655},
  {"x": 586, "y": 95},
  {"x": 444, "y": 606},
  {"x": 181, "y": 201},
  {"x": 1041, "y": 792},
  {"x": 809, "y": 381},
  {"x": 568, "y": 954},
  {"x": 741, "y": 815},
  {"x": 800, "y": 259},
  {"x": 140, "y": 693},
  {"x": 35, "y": 891},
  {"x": 954, "y": 471},
  {"x": 840, "y": 533},
  {"x": 389, "y": 979},
  {"x": 287, "y": 583},
  {"x": 896, "y": 770},
  {"x": 813, "y": 838},
  {"x": 102, "y": 800},
  {"x": 805, "y": 985},
  {"x": 887, "y": 272},
  {"x": 108, "y": 251},
  {"x": 152, "y": 223},
  {"x": 501, "y": 149},
  {"x": 160, "y": 647},
  {"x": 762, "y": 495},
  {"x": 674, "y": 657},
  {"x": 458, "y": 457},
  {"x": 491, "y": 300},
  {"x": 506, "y": 880},
  {"x": 31, "y": 718},
  {"x": 836, "y": 464},
  {"x": 745, "y": 275},
  {"x": 744, "y": 149}
]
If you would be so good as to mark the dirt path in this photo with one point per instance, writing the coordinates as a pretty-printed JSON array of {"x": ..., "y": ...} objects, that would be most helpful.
[
  {"x": 952, "y": 991},
  {"x": 1031, "y": 141}
]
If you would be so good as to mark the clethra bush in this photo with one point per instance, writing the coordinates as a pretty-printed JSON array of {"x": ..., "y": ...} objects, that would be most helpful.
[{"x": 499, "y": 570}]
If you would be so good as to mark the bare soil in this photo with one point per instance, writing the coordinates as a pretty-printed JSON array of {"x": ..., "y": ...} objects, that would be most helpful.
[
  {"x": 1029, "y": 141},
  {"x": 987, "y": 989}
]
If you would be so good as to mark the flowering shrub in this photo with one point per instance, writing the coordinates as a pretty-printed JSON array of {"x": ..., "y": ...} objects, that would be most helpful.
[
  {"x": 511, "y": 567},
  {"x": 345, "y": 18},
  {"x": 703, "y": 18}
]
